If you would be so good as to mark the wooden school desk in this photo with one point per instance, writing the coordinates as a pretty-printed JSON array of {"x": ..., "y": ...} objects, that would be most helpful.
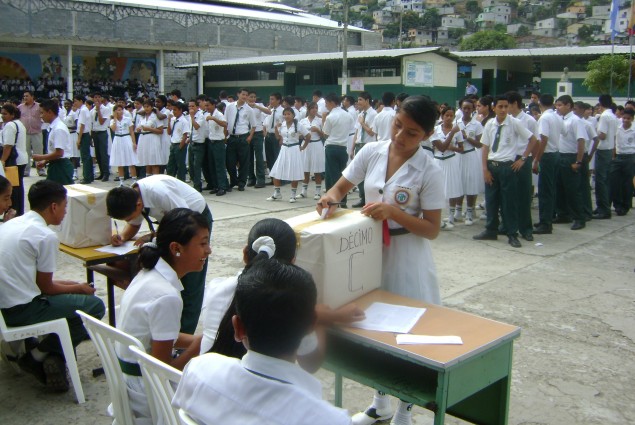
[
  {"x": 90, "y": 258},
  {"x": 470, "y": 381}
]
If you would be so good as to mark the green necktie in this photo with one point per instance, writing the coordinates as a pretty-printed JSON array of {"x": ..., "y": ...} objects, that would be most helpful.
[{"x": 497, "y": 139}]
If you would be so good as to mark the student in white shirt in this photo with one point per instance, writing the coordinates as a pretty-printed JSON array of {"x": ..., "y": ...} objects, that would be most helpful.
[
  {"x": 179, "y": 130},
  {"x": 151, "y": 306},
  {"x": 364, "y": 134},
  {"x": 275, "y": 310},
  {"x": 623, "y": 165},
  {"x": 288, "y": 166},
  {"x": 124, "y": 146},
  {"x": 14, "y": 142},
  {"x": 60, "y": 145},
  {"x": 257, "y": 145},
  {"x": 217, "y": 125},
  {"x": 382, "y": 125},
  {"x": 196, "y": 153},
  {"x": 30, "y": 293},
  {"x": 101, "y": 137},
  {"x": 272, "y": 146},
  {"x": 241, "y": 125},
  {"x": 313, "y": 152},
  {"x": 83, "y": 139},
  {"x": 337, "y": 127},
  {"x": 5, "y": 200},
  {"x": 404, "y": 187},
  {"x": 150, "y": 144},
  {"x": 603, "y": 152}
]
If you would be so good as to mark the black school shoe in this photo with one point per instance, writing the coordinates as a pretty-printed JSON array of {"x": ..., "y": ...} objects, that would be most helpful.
[
  {"x": 31, "y": 366},
  {"x": 543, "y": 229},
  {"x": 56, "y": 375},
  {"x": 485, "y": 235},
  {"x": 513, "y": 241}
]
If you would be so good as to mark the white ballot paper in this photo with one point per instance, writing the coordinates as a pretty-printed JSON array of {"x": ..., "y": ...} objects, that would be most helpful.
[
  {"x": 404, "y": 339},
  {"x": 125, "y": 248},
  {"x": 390, "y": 318}
]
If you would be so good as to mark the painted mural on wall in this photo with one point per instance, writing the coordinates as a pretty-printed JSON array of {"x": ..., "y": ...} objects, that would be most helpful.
[{"x": 30, "y": 66}]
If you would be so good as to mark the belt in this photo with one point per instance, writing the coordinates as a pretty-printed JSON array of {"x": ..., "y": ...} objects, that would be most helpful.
[
  {"x": 360, "y": 144},
  {"x": 128, "y": 368},
  {"x": 289, "y": 145},
  {"x": 499, "y": 163},
  {"x": 427, "y": 148},
  {"x": 238, "y": 135},
  {"x": 469, "y": 150},
  {"x": 72, "y": 132},
  {"x": 218, "y": 141},
  {"x": 121, "y": 135},
  {"x": 99, "y": 131},
  {"x": 351, "y": 134},
  {"x": 258, "y": 131},
  {"x": 399, "y": 231},
  {"x": 317, "y": 140},
  {"x": 443, "y": 158},
  {"x": 147, "y": 132},
  {"x": 625, "y": 155}
]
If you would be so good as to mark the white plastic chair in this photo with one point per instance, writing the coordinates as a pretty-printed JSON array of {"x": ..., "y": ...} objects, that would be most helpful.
[
  {"x": 104, "y": 337},
  {"x": 57, "y": 326},
  {"x": 185, "y": 418},
  {"x": 158, "y": 378}
]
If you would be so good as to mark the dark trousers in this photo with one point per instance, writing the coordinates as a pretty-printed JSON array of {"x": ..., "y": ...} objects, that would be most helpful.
[
  {"x": 569, "y": 189},
  {"x": 17, "y": 195},
  {"x": 547, "y": 186},
  {"x": 501, "y": 195},
  {"x": 196, "y": 154},
  {"x": 602, "y": 166},
  {"x": 87, "y": 160},
  {"x": 524, "y": 190},
  {"x": 176, "y": 162},
  {"x": 272, "y": 149},
  {"x": 205, "y": 168},
  {"x": 45, "y": 308},
  {"x": 257, "y": 171},
  {"x": 45, "y": 141},
  {"x": 61, "y": 171},
  {"x": 193, "y": 290},
  {"x": 360, "y": 186},
  {"x": 335, "y": 162},
  {"x": 237, "y": 155},
  {"x": 216, "y": 164},
  {"x": 622, "y": 173},
  {"x": 587, "y": 202},
  {"x": 100, "y": 141}
]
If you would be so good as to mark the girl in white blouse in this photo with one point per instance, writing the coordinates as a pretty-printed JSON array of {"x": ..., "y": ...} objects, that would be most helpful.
[
  {"x": 123, "y": 151},
  {"x": 313, "y": 151},
  {"x": 290, "y": 134},
  {"x": 149, "y": 151},
  {"x": 151, "y": 306}
]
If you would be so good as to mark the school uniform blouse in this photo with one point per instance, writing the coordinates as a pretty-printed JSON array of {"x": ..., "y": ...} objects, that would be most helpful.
[
  {"x": 122, "y": 127},
  {"x": 60, "y": 138},
  {"x": 14, "y": 134},
  {"x": 440, "y": 135},
  {"x": 256, "y": 389},
  {"x": 27, "y": 246},
  {"x": 151, "y": 308},
  {"x": 472, "y": 129},
  {"x": 550, "y": 125}
]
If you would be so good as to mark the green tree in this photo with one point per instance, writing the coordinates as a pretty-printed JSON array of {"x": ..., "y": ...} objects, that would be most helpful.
[
  {"x": 472, "y": 7},
  {"x": 488, "y": 40},
  {"x": 523, "y": 31},
  {"x": 456, "y": 33},
  {"x": 500, "y": 28},
  {"x": 431, "y": 19},
  {"x": 410, "y": 20},
  {"x": 367, "y": 21},
  {"x": 585, "y": 34},
  {"x": 599, "y": 73}
]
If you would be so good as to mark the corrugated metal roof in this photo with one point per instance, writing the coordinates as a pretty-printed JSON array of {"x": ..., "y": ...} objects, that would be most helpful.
[
  {"x": 282, "y": 14},
  {"x": 357, "y": 54},
  {"x": 544, "y": 51}
]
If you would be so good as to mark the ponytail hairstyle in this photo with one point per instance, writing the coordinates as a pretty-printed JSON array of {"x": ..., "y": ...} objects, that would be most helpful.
[
  {"x": 269, "y": 238},
  {"x": 179, "y": 225}
]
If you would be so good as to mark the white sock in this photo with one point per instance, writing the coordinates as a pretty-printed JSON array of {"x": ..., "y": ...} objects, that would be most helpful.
[
  {"x": 276, "y": 192},
  {"x": 381, "y": 401},
  {"x": 305, "y": 186},
  {"x": 459, "y": 212},
  {"x": 293, "y": 192},
  {"x": 403, "y": 415},
  {"x": 451, "y": 217},
  {"x": 318, "y": 189},
  {"x": 38, "y": 355}
]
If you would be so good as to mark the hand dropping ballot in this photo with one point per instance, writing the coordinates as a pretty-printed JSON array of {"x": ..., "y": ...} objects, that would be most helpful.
[{"x": 342, "y": 252}]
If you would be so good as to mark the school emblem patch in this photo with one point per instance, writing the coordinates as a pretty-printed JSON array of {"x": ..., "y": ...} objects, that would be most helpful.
[{"x": 402, "y": 196}]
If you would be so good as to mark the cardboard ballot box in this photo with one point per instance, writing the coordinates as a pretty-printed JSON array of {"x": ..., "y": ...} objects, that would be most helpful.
[
  {"x": 86, "y": 222},
  {"x": 343, "y": 253}
]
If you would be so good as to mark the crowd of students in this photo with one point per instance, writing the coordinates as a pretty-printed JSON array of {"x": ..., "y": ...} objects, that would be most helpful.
[{"x": 262, "y": 329}]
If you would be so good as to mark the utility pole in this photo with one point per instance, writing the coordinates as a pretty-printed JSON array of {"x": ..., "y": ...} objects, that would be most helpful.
[{"x": 345, "y": 50}]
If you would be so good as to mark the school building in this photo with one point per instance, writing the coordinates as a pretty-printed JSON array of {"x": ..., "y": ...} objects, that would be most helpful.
[
  {"x": 92, "y": 39},
  {"x": 431, "y": 71}
]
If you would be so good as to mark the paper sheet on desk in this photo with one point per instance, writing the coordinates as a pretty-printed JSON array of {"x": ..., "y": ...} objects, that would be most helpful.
[
  {"x": 390, "y": 318},
  {"x": 125, "y": 248},
  {"x": 428, "y": 339}
]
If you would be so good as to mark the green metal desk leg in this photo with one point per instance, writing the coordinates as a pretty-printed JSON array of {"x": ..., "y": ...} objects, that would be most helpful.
[
  {"x": 338, "y": 390},
  {"x": 441, "y": 398}
]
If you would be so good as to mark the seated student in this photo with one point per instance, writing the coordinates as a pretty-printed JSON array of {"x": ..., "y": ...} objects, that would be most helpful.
[
  {"x": 275, "y": 310},
  {"x": 277, "y": 237},
  {"x": 151, "y": 307},
  {"x": 29, "y": 294},
  {"x": 154, "y": 196},
  {"x": 5, "y": 200}
]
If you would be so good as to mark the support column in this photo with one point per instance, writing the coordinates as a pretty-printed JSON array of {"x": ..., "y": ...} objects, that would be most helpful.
[
  {"x": 69, "y": 72},
  {"x": 201, "y": 89},
  {"x": 161, "y": 73}
]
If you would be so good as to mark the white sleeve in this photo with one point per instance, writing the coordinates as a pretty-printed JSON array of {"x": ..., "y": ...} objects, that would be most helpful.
[
  {"x": 164, "y": 315},
  {"x": 432, "y": 194},
  {"x": 355, "y": 172},
  {"x": 47, "y": 253}
]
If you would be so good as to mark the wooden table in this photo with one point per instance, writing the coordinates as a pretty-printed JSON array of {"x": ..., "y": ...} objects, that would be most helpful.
[
  {"x": 91, "y": 257},
  {"x": 470, "y": 381}
]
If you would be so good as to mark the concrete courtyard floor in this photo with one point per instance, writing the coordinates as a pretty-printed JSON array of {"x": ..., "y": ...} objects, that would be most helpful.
[{"x": 573, "y": 296}]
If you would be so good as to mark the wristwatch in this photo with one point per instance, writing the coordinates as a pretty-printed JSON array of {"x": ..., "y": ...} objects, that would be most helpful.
[{"x": 523, "y": 158}]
